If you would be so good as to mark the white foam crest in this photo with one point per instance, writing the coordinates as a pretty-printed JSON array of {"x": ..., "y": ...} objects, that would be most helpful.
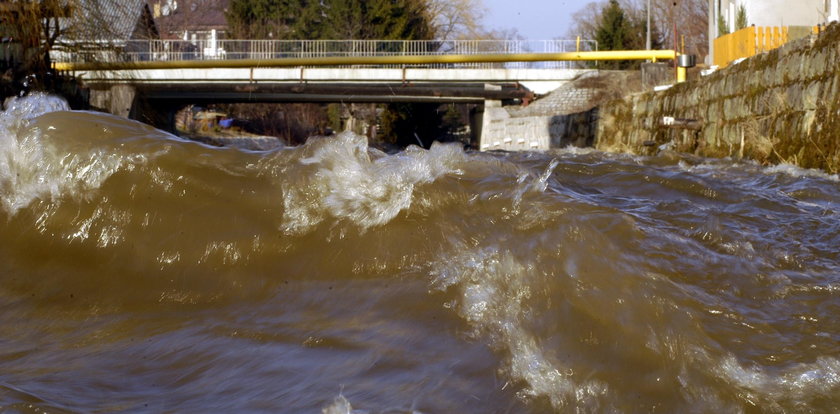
[
  {"x": 801, "y": 383},
  {"x": 32, "y": 169},
  {"x": 495, "y": 289},
  {"x": 20, "y": 110},
  {"x": 339, "y": 406},
  {"x": 573, "y": 150},
  {"x": 714, "y": 164},
  {"x": 538, "y": 184},
  {"x": 348, "y": 184},
  {"x": 773, "y": 388},
  {"x": 799, "y": 172},
  {"x": 541, "y": 183}
]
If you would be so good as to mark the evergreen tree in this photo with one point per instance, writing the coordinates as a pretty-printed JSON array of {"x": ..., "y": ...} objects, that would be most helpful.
[
  {"x": 723, "y": 27},
  {"x": 741, "y": 18},
  {"x": 347, "y": 20},
  {"x": 264, "y": 19},
  {"x": 614, "y": 32},
  {"x": 329, "y": 19}
]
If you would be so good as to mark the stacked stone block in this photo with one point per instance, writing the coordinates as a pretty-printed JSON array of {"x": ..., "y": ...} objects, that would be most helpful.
[{"x": 780, "y": 106}]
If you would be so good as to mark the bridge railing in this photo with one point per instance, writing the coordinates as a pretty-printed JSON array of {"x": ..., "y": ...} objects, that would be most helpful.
[{"x": 231, "y": 49}]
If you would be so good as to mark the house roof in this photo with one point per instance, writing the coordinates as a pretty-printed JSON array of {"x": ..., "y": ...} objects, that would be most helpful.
[
  {"x": 109, "y": 20},
  {"x": 193, "y": 15}
]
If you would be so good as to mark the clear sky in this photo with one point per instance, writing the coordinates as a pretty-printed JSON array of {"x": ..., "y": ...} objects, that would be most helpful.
[{"x": 534, "y": 19}]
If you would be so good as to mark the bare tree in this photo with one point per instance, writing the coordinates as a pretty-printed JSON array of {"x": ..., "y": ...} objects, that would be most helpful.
[
  {"x": 457, "y": 19},
  {"x": 690, "y": 17},
  {"x": 37, "y": 26},
  {"x": 585, "y": 21}
]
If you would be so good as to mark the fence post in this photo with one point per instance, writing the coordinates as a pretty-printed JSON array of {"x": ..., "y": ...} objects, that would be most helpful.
[
  {"x": 750, "y": 40},
  {"x": 760, "y": 39}
]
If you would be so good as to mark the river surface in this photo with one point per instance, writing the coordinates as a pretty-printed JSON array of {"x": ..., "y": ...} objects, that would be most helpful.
[{"x": 143, "y": 273}]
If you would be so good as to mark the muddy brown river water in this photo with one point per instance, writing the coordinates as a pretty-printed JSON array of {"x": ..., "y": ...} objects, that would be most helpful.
[{"x": 143, "y": 273}]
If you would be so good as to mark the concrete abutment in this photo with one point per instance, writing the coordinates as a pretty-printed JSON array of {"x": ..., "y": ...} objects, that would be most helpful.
[
  {"x": 116, "y": 99},
  {"x": 126, "y": 101}
]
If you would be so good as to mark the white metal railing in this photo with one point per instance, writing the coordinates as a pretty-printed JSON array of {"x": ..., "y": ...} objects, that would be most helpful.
[{"x": 169, "y": 50}]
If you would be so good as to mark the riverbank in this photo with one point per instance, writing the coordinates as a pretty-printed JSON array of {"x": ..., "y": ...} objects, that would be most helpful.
[
  {"x": 235, "y": 138},
  {"x": 69, "y": 88},
  {"x": 782, "y": 106}
]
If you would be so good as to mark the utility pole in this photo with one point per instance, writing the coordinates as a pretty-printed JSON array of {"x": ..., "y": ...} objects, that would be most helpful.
[
  {"x": 674, "y": 32},
  {"x": 647, "y": 39},
  {"x": 713, "y": 31}
]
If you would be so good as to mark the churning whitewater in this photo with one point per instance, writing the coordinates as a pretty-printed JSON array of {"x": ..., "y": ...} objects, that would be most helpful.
[{"x": 140, "y": 272}]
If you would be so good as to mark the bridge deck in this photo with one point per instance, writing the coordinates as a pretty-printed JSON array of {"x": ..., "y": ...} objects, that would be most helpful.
[{"x": 538, "y": 80}]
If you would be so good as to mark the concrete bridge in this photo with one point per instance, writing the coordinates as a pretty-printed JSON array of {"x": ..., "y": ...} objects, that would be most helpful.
[
  {"x": 319, "y": 84},
  {"x": 151, "y": 80}
]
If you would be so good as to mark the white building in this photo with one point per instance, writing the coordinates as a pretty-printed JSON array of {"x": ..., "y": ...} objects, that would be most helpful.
[
  {"x": 805, "y": 13},
  {"x": 779, "y": 12}
]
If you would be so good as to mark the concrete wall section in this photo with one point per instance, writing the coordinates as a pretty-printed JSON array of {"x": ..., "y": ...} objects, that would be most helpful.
[
  {"x": 500, "y": 131},
  {"x": 781, "y": 106},
  {"x": 117, "y": 99},
  {"x": 567, "y": 116},
  {"x": 777, "y": 12}
]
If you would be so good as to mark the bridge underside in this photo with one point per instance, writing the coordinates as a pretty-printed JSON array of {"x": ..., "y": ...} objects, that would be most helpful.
[
  {"x": 154, "y": 95},
  {"x": 157, "y": 103},
  {"x": 203, "y": 94}
]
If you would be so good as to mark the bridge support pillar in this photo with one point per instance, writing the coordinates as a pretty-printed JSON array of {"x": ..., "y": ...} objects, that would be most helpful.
[
  {"x": 492, "y": 129},
  {"x": 476, "y": 123},
  {"x": 122, "y": 100},
  {"x": 125, "y": 101},
  {"x": 117, "y": 100}
]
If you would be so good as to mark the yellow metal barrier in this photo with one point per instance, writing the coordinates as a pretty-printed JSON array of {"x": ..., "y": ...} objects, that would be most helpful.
[
  {"x": 753, "y": 40},
  {"x": 373, "y": 60},
  {"x": 739, "y": 44}
]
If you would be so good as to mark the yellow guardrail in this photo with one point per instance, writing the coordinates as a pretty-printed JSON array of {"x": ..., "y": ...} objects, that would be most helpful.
[
  {"x": 373, "y": 60},
  {"x": 753, "y": 40}
]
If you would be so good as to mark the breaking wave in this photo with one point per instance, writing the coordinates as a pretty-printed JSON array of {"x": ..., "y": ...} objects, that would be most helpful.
[{"x": 426, "y": 281}]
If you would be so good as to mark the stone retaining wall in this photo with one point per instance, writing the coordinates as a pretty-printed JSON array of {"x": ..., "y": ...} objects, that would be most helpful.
[
  {"x": 781, "y": 106},
  {"x": 567, "y": 116}
]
